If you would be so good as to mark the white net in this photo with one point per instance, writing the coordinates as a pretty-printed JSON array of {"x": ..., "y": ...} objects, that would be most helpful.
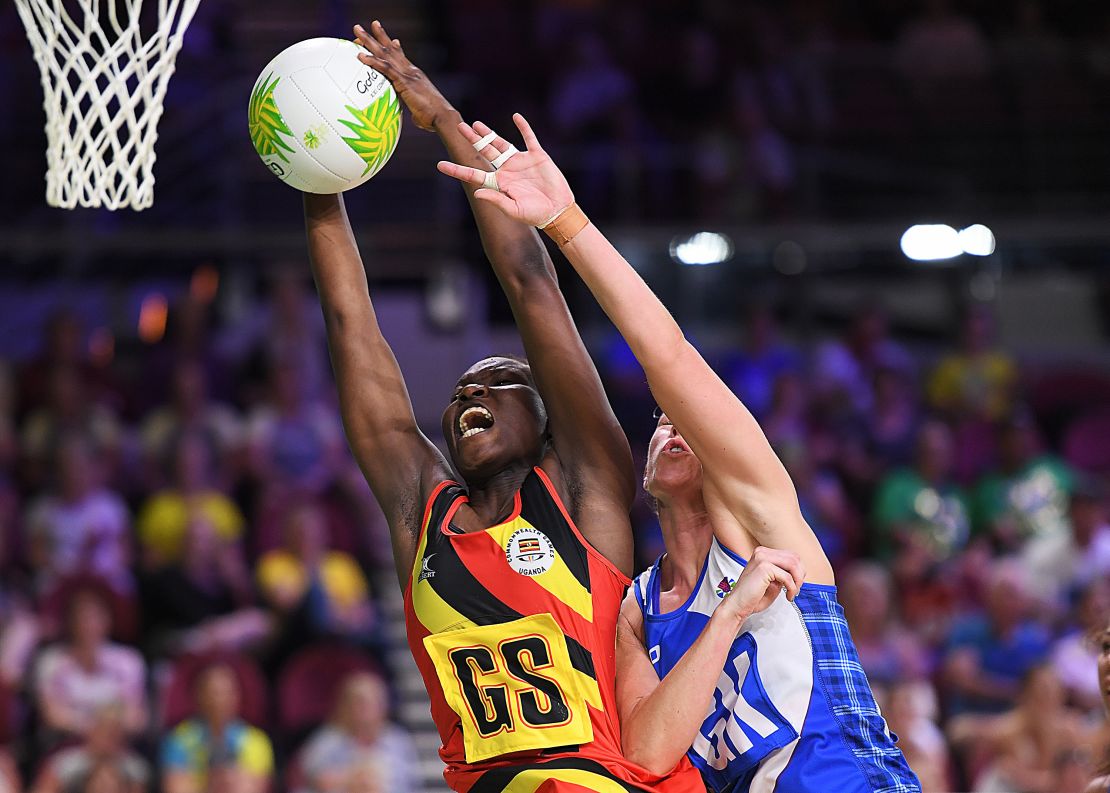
[{"x": 104, "y": 84}]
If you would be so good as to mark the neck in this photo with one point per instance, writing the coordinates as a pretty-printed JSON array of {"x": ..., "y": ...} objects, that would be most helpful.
[
  {"x": 85, "y": 653},
  {"x": 687, "y": 534},
  {"x": 492, "y": 500}
]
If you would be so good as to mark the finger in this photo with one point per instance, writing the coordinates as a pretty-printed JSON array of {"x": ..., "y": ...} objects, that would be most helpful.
[
  {"x": 365, "y": 39},
  {"x": 530, "y": 139},
  {"x": 496, "y": 147},
  {"x": 469, "y": 133},
  {"x": 785, "y": 579},
  {"x": 380, "y": 35},
  {"x": 379, "y": 64},
  {"x": 462, "y": 172},
  {"x": 499, "y": 200}
]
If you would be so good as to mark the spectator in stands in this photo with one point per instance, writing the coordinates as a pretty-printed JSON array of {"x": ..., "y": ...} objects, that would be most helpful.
[
  {"x": 163, "y": 519},
  {"x": 81, "y": 526},
  {"x": 887, "y": 651},
  {"x": 191, "y": 412},
  {"x": 942, "y": 43},
  {"x": 69, "y": 770},
  {"x": 20, "y": 627},
  {"x": 284, "y": 330},
  {"x": 891, "y": 427},
  {"x": 216, "y": 751},
  {"x": 202, "y": 601},
  {"x": 359, "y": 743},
  {"x": 1027, "y": 497},
  {"x": 979, "y": 379},
  {"x": 1022, "y": 746},
  {"x": 752, "y": 370},
  {"x": 787, "y": 422},
  {"x": 68, "y": 410},
  {"x": 823, "y": 502},
  {"x": 845, "y": 369},
  {"x": 1102, "y": 738},
  {"x": 63, "y": 347},
  {"x": 9, "y": 433},
  {"x": 1090, "y": 546},
  {"x": 319, "y": 590},
  {"x": 910, "y": 708},
  {"x": 593, "y": 106},
  {"x": 921, "y": 507},
  {"x": 295, "y": 442},
  {"x": 989, "y": 654},
  {"x": 9, "y": 772},
  {"x": 78, "y": 677},
  {"x": 109, "y": 778},
  {"x": 1075, "y": 655}
]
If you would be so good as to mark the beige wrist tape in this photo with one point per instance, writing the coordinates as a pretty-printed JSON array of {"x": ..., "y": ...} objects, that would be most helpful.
[{"x": 564, "y": 226}]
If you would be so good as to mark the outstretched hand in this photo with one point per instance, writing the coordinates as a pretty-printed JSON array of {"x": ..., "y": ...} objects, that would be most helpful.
[
  {"x": 530, "y": 187},
  {"x": 421, "y": 97}
]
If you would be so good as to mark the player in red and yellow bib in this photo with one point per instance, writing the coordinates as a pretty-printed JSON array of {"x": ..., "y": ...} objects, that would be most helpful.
[
  {"x": 513, "y": 628},
  {"x": 514, "y": 572}
]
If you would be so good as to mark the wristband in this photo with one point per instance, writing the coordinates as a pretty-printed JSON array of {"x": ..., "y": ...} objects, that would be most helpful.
[{"x": 565, "y": 226}]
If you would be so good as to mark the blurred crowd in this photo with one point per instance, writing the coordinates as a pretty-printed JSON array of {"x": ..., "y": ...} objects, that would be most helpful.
[
  {"x": 190, "y": 559},
  {"x": 720, "y": 109},
  {"x": 189, "y": 565}
]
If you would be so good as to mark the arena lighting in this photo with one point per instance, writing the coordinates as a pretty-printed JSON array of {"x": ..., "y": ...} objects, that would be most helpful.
[
  {"x": 977, "y": 240},
  {"x": 705, "y": 247},
  {"x": 931, "y": 243},
  {"x": 935, "y": 242}
]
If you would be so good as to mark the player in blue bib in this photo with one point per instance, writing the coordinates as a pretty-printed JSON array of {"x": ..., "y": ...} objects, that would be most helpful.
[{"x": 722, "y": 652}]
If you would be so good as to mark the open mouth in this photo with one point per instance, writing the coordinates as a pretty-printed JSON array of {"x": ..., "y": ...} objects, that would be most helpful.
[
  {"x": 676, "y": 447},
  {"x": 474, "y": 420}
]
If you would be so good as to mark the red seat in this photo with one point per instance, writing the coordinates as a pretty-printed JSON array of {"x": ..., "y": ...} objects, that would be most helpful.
[
  {"x": 309, "y": 683},
  {"x": 178, "y": 700},
  {"x": 1087, "y": 442}
]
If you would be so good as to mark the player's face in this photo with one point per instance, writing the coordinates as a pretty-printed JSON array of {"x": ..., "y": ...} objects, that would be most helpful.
[
  {"x": 672, "y": 467},
  {"x": 495, "y": 419}
]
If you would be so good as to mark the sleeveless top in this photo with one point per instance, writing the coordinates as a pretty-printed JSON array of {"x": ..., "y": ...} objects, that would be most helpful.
[
  {"x": 793, "y": 710},
  {"x": 513, "y": 629}
]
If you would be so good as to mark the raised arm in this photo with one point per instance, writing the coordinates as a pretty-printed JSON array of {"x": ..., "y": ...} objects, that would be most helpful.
[
  {"x": 399, "y": 462},
  {"x": 591, "y": 449},
  {"x": 747, "y": 488}
]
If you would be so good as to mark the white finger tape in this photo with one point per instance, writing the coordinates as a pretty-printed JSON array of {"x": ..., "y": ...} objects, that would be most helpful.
[
  {"x": 504, "y": 156},
  {"x": 487, "y": 140},
  {"x": 490, "y": 182}
]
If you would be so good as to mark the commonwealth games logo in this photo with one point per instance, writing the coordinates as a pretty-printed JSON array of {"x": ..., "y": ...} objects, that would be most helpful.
[
  {"x": 529, "y": 552},
  {"x": 724, "y": 586}
]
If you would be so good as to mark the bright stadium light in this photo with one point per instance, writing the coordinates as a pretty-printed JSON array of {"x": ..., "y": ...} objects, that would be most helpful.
[
  {"x": 931, "y": 243},
  {"x": 705, "y": 247},
  {"x": 977, "y": 240}
]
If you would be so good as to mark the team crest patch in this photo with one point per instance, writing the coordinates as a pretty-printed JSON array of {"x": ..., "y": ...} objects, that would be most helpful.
[
  {"x": 529, "y": 552},
  {"x": 724, "y": 586}
]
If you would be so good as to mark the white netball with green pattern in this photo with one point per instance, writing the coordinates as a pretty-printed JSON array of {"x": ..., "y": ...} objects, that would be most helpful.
[{"x": 322, "y": 120}]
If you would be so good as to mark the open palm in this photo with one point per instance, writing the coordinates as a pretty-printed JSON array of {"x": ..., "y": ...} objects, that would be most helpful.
[{"x": 530, "y": 187}]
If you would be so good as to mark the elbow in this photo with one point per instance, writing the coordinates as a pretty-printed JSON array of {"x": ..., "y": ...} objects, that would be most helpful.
[{"x": 651, "y": 758}]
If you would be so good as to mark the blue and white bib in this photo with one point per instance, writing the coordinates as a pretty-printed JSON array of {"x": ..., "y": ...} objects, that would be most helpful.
[{"x": 793, "y": 711}]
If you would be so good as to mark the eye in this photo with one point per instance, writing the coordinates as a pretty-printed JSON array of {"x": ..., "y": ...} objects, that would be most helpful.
[{"x": 505, "y": 382}]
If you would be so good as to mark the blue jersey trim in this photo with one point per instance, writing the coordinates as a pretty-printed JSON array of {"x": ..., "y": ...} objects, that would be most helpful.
[{"x": 653, "y": 592}]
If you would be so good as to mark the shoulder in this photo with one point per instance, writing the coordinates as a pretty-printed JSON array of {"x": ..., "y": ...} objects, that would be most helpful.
[
  {"x": 255, "y": 751},
  {"x": 630, "y": 624},
  {"x": 124, "y": 658},
  {"x": 53, "y": 661}
]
